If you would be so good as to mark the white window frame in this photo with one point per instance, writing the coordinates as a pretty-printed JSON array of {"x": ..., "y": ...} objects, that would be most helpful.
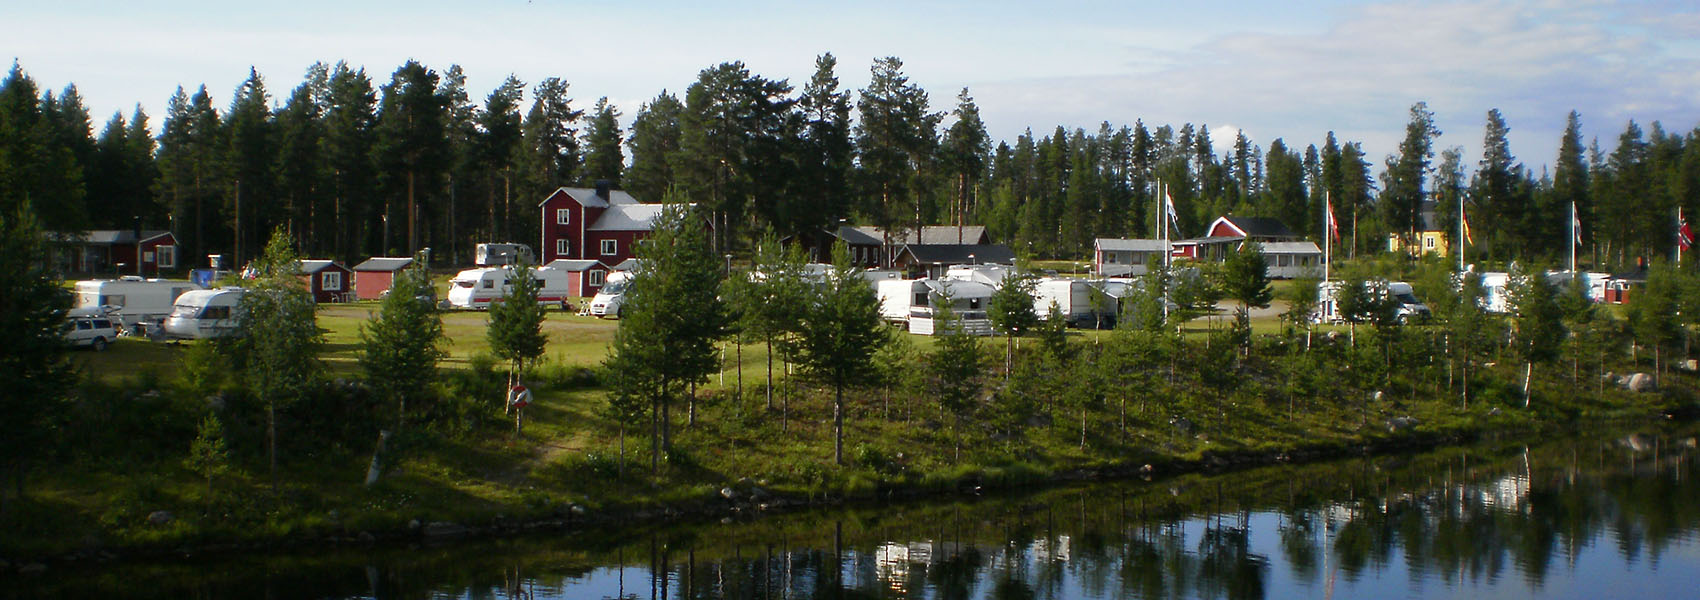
[
  {"x": 610, "y": 247},
  {"x": 563, "y": 247},
  {"x": 596, "y": 278},
  {"x": 331, "y": 281},
  {"x": 563, "y": 216},
  {"x": 167, "y": 256}
]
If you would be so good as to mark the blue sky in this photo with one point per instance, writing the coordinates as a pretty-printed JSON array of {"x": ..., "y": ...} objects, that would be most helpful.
[{"x": 1293, "y": 70}]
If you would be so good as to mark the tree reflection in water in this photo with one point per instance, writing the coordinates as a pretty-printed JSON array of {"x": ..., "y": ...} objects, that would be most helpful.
[{"x": 1550, "y": 521}]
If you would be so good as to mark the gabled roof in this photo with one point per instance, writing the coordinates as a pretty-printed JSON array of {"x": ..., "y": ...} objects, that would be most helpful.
[
  {"x": 1126, "y": 245},
  {"x": 573, "y": 265},
  {"x": 958, "y": 254},
  {"x": 930, "y": 235},
  {"x": 1263, "y": 227},
  {"x": 105, "y": 236},
  {"x": 630, "y": 264},
  {"x": 589, "y": 197},
  {"x": 384, "y": 263},
  {"x": 314, "y": 266},
  {"x": 628, "y": 217}
]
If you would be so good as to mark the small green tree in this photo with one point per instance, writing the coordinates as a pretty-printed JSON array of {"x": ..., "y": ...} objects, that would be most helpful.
[
  {"x": 769, "y": 302},
  {"x": 401, "y": 344},
  {"x": 1053, "y": 334},
  {"x": 515, "y": 328},
  {"x": 1302, "y": 300},
  {"x": 35, "y": 371},
  {"x": 1245, "y": 278},
  {"x": 1142, "y": 306},
  {"x": 954, "y": 368},
  {"x": 1537, "y": 321},
  {"x": 208, "y": 456},
  {"x": 1653, "y": 314},
  {"x": 1011, "y": 311},
  {"x": 839, "y": 335},
  {"x": 278, "y": 338}
]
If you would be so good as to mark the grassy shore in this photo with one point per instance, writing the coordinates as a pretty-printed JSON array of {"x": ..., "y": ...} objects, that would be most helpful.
[{"x": 569, "y": 458}]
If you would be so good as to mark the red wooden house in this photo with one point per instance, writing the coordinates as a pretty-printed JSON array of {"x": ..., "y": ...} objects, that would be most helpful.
[
  {"x": 599, "y": 224},
  {"x": 375, "y": 276},
  {"x": 327, "y": 280},
  {"x": 103, "y": 250}
]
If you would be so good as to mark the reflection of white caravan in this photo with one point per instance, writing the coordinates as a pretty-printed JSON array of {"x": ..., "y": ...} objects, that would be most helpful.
[
  {"x": 611, "y": 297},
  {"x": 205, "y": 314},
  {"x": 477, "y": 288},
  {"x": 1407, "y": 307},
  {"x": 132, "y": 300}
]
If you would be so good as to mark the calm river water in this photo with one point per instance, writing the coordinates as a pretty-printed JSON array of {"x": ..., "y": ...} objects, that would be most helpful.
[{"x": 1612, "y": 516}]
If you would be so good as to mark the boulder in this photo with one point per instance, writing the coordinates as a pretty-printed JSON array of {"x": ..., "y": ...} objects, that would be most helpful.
[
  {"x": 1398, "y": 424},
  {"x": 728, "y": 493},
  {"x": 160, "y": 517}
]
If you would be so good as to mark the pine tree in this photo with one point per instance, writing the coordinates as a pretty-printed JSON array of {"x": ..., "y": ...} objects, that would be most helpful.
[
  {"x": 654, "y": 144},
  {"x": 1403, "y": 193},
  {"x": 953, "y": 371},
  {"x": 401, "y": 344},
  {"x": 897, "y": 137},
  {"x": 411, "y": 144},
  {"x": 839, "y": 334},
  {"x": 1570, "y": 178},
  {"x": 826, "y": 155},
  {"x": 498, "y": 148},
  {"x": 966, "y": 146},
  {"x": 1011, "y": 311},
  {"x": 250, "y": 164},
  {"x": 278, "y": 339},
  {"x": 603, "y": 160},
  {"x": 515, "y": 329},
  {"x": 35, "y": 370},
  {"x": 350, "y": 115}
]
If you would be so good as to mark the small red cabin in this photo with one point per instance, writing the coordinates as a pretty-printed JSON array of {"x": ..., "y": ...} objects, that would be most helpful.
[
  {"x": 585, "y": 276},
  {"x": 327, "y": 280},
  {"x": 375, "y": 276}
]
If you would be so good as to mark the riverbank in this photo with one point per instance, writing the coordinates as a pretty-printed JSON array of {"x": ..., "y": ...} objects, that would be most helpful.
[{"x": 122, "y": 488}]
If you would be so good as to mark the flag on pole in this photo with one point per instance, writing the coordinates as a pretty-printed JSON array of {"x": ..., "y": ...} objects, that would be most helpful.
[
  {"x": 1684, "y": 235},
  {"x": 1575, "y": 224},
  {"x": 1333, "y": 225},
  {"x": 1169, "y": 205},
  {"x": 1464, "y": 216}
]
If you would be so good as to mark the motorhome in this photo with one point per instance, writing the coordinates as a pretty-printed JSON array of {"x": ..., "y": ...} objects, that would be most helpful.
[
  {"x": 1407, "y": 308},
  {"x": 498, "y": 255},
  {"x": 137, "y": 304},
  {"x": 477, "y": 288},
  {"x": 612, "y": 296},
  {"x": 205, "y": 314},
  {"x": 89, "y": 327},
  {"x": 1082, "y": 303}
]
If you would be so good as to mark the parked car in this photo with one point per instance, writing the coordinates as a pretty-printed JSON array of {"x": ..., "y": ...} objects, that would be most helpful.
[{"x": 89, "y": 328}]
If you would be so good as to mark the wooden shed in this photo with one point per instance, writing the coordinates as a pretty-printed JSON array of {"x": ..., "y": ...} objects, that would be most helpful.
[
  {"x": 375, "y": 276},
  {"x": 327, "y": 280},
  {"x": 585, "y": 277}
]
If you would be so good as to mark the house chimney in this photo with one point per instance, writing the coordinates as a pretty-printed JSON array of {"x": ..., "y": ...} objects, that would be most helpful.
[{"x": 602, "y": 188}]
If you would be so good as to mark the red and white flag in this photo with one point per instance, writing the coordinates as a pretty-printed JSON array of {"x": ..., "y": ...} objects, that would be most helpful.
[
  {"x": 1174, "y": 217},
  {"x": 1464, "y": 216},
  {"x": 1684, "y": 235},
  {"x": 1575, "y": 224},
  {"x": 1333, "y": 225}
]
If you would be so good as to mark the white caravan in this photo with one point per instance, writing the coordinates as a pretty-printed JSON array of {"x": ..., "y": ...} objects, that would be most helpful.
[
  {"x": 137, "y": 304},
  {"x": 477, "y": 288},
  {"x": 911, "y": 302},
  {"x": 1407, "y": 308},
  {"x": 611, "y": 297},
  {"x": 205, "y": 314},
  {"x": 1083, "y": 304}
]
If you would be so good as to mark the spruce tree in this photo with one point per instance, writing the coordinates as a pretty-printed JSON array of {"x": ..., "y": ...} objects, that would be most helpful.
[
  {"x": 401, "y": 344},
  {"x": 515, "y": 329},
  {"x": 35, "y": 370},
  {"x": 278, "y": 339},
  {"x": 603, "y": 160}
]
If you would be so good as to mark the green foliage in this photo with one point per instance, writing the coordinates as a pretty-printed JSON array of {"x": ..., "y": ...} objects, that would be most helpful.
[
  {"x": 401, "y": 345},
  {"x": 278, "y": 341},
  {"x": 1245, "y": 277},
  {"x": 840, "y": 333},
  {"x": 515, "y": 331},
  {"x": 34, "y": 369},
  {"x": 1537, "y": 316},
  {"x": 1011, "y": 310},
  {"x": 208, "y": 456},
  {"x": 1302, "y": 301},
  {"x": 955, "y": 367},
  {"x": 1053, "y": 334}
]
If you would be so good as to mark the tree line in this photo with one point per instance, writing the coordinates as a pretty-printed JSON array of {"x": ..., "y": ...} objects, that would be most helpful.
[{"x": 354, "y": 166}]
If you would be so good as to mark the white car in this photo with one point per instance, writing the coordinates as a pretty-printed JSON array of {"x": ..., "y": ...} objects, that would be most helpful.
[{"x": 89, "y": 327}]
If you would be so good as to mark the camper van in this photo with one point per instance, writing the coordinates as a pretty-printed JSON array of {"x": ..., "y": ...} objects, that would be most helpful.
[
  {"x": 1407, "y": 308},
  {"x": 497, "y": 255},
  {"x": 611, "y": 296},
  {"x": 477, "y": 288},
  {"x": 88, "y": 327},
  {"x": 205, "y": 314},
  {"x": 137, "y": 304}
]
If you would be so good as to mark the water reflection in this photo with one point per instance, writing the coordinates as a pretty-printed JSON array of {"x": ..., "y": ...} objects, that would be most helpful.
[{"x": 1611, "y": 517}]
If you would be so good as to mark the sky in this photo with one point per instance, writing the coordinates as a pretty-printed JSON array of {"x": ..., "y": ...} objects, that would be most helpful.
[{"x": 1293, "y": 70}]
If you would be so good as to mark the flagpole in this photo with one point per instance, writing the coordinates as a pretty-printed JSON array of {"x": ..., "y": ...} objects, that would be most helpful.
[
  {"x": 1679, "y": 224},
  {"x": 1168, "y": 248},
  {"x": 1461, "y": 242},
  {"x": 1574, "y": 235},
  {"x": 1327, "y": 234}
]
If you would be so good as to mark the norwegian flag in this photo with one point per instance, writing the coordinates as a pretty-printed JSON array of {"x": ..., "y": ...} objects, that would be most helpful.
[
  {"x": 1465, "y": 217},
  {"x": 1333, "y": 225},
  {"x": 1174, "y": 217},
  {"x": 1684, "y": 235}
]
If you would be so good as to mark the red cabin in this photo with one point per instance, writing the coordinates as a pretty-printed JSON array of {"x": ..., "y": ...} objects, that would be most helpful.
[
  {"x": 375, "y": 276},
  {"x": 327, "y": 280}
]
